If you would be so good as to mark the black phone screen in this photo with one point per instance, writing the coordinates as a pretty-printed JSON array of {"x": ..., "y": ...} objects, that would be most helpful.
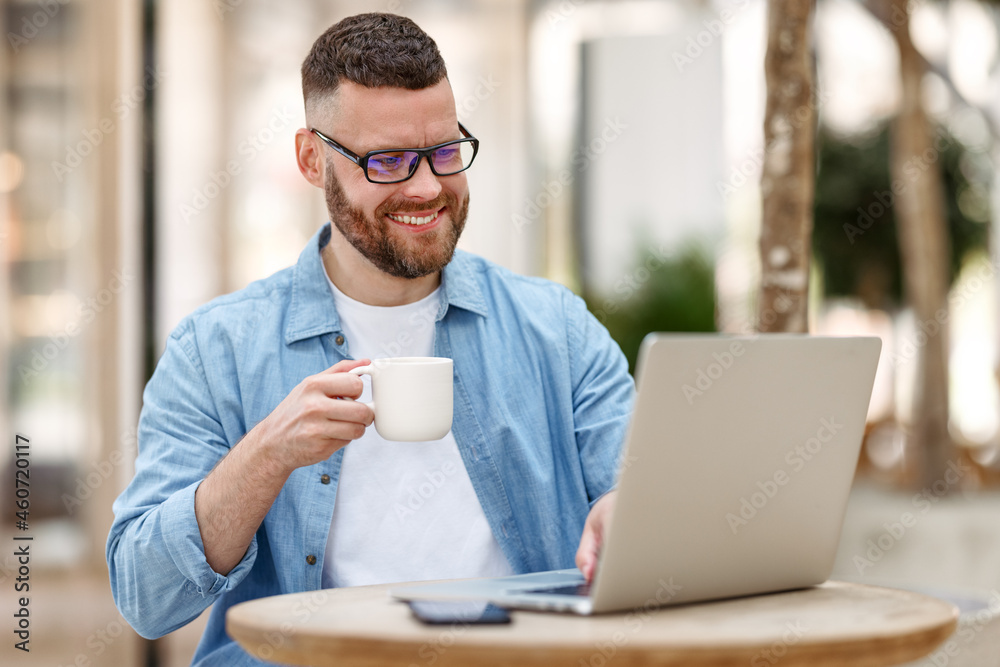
[{"x": 469, "y": 612}]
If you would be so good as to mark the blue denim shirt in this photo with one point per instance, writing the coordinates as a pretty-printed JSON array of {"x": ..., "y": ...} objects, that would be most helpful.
[{"x": 542, "y": 402}]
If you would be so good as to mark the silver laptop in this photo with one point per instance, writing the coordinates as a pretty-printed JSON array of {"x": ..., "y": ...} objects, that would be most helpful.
[{"x": 734, "y": 478}]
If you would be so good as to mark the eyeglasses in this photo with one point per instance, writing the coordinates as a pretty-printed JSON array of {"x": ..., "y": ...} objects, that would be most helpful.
[{"x": 395, "y": 165}]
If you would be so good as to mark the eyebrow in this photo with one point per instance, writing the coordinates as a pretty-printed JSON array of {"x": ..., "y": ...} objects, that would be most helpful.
[{"x": 389, "y": 146}]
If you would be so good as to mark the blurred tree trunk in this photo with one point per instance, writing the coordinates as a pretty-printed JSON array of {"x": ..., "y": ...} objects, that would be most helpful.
[
  {"x": 918, "y": 194},
  {"x": 788, "y": 176}
]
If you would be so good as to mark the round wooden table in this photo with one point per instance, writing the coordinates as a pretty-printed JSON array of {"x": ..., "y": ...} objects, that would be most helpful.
[{"x": 833, "y": 624}]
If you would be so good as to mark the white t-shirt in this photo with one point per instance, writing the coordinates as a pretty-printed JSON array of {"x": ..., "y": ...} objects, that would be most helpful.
[{"x": 405, "y": 511}]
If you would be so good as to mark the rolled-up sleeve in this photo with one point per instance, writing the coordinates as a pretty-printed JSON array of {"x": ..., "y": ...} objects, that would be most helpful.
[
  {"x": 159, "y": 576},
  {"x": 603, "y": 393}
]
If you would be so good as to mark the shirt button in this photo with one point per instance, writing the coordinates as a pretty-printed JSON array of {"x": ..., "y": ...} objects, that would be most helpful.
[
  {"x": 339, "y": 340},
  {"x": 325, "y": 479},
  {"x": 311, "y": 559}
]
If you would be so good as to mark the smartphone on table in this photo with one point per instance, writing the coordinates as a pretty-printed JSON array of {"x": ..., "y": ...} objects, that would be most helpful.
[{"x": 468, "y": 612}]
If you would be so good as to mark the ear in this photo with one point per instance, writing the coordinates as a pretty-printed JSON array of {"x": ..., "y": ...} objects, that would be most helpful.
[{"x": 309, "y": 156}]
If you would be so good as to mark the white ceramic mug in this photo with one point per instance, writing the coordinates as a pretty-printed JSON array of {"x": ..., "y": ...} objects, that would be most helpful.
[{"x": 412, "y": 397}]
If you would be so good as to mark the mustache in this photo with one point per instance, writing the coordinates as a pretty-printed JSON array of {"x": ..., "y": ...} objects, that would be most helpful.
[{"x": 405, "y": 206}]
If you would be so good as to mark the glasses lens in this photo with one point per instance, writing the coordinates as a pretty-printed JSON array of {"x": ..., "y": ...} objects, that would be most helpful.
[
  {"x": 394, "y": 166},
  {"x": 453, "y": 158}
]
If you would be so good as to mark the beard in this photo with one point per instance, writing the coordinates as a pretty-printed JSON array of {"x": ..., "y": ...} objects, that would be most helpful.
[{"x": 421, "y": 255}]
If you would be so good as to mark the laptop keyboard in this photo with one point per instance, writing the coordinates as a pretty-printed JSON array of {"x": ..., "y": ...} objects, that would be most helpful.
[{"x": 577, "y": 590}]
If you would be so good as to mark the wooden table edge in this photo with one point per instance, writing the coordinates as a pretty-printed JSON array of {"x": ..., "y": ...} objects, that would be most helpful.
[
  {"x": 369, "y": 651},
  {"x": 374, "y": 650}
]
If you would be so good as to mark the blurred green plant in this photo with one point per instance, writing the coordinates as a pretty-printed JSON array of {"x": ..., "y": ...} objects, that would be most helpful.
[
  {"x": 855, "y": 241},
  {"x": 662, "y": 293}
]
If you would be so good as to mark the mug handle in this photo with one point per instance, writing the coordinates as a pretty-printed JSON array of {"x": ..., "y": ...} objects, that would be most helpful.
[{"x": 359, "y": 371}]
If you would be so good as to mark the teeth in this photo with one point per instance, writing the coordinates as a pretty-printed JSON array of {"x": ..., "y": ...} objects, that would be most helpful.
[{"x": 411, "y": 220}]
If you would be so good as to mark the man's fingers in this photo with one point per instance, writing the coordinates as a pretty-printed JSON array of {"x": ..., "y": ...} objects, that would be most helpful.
[
  {"x": 337, "y": 385},
  {"x": 349, "y": 411},
  {"x": 346, "y": 364},
  {"x": 594, "y": 529},
  {"x": 586, "y": 554},
  {"x": 345, "y": 431}
]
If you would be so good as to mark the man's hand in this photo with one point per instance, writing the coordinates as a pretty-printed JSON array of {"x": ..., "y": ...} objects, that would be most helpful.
[
  {"x": 309, "y": 425},
  {"x": 313, "y": 421},
  {"x": 594, "y": 530}
]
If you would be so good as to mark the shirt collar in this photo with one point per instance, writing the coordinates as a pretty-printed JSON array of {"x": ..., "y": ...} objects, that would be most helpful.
[
  {"x": 312, "y": 311},
  {"x": 461, "y": 288}
]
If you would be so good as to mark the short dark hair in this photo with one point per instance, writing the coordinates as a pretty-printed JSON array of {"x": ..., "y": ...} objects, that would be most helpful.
[{"x": 372, "y": 50}]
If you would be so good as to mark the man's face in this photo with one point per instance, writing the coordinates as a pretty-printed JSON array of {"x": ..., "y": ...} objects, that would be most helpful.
[{"x": 407, "y": 229}]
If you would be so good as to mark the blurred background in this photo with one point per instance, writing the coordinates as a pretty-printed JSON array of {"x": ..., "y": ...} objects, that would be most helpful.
[{"x": 147, "y": 165}]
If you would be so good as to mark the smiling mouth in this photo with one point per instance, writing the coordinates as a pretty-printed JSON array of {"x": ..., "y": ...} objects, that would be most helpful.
[{"x": 416, "y": 221}]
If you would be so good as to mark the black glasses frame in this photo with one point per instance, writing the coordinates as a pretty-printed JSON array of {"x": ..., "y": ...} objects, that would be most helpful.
[{"x": 362, "y": 160}]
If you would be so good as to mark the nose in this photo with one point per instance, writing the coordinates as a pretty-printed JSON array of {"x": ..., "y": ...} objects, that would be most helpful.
[{"x": 423, "y": 184}]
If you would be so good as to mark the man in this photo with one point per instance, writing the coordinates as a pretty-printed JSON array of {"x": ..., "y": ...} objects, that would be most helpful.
[{"x": 247, "y": 482}]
